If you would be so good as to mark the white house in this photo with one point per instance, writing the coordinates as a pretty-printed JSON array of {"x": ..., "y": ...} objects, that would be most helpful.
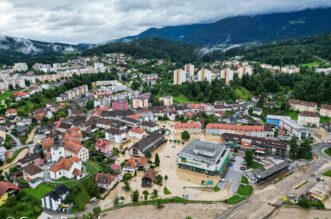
[
  {"x": 54, "y": 199},
  {"x": 115, "y": 135},
  {"x": 70, "y": 168},
  {"x": 136, "y": 133}
]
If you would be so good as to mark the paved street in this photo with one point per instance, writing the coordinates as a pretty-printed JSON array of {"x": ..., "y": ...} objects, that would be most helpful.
[{"x": 318, "y": 151}]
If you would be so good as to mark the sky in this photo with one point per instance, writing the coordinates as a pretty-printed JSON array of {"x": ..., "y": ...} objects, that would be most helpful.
[{"x": 96, "y": 21}]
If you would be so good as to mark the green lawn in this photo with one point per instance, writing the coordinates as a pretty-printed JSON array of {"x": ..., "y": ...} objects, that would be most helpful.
[
  {"x": 255, "y": 165},
  {"x": 166, "y": 191},
  {"x": 292, "y": 114},
  {"x": 92, "y": 167},
  {"x": 243, "y": 93},
  {"x": 39, "y": 192},
  {"x": 311, "y": 64},
  {"x": 182, "y": 99},
  {"x": 244, "y": 180},
  {"x": 245, "y": 190},
  {"x": 328, "y": 151},
  {"x": 324, "y": 119},
  {"x": 327, "y": 173},
  {"x": 6, "y": 94},
  {"x": 234, "y": 199},
  {"x": 81, "y": 199}
]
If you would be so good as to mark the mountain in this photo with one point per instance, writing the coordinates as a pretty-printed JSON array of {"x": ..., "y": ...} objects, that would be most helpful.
[{"x": 241, "y": 29}]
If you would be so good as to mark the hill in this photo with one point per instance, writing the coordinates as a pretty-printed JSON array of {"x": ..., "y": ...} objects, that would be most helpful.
[{"x": 241, "y": 29}]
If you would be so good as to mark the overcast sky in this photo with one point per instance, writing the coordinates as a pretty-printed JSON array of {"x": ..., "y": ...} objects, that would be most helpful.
[{"x": 93, "y": 21}]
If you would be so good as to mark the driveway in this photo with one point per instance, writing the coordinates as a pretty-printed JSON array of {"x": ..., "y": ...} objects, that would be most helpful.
[{"x": 233, "y": 176}]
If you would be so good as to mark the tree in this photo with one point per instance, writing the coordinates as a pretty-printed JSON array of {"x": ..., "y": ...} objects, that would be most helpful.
[
  {"x": 134, "y": 85},
  {"x": 116, "y": 201},
  {"x": 96, "y": 211},
  {"x": 185, "y": 135},
  {"x": 294, "y": 149},
  {"x": 145, "y": 193},
  {"x": 154, "y": 194},
  {"x": 158, "y": 180},
  {"x": 305, "y": 151},
  {"x": 135, "y": 196},
  {"x": 249, "y": 155},
  {"x": 126, "y": 185},
  {"x": 157, "y": 159},
  {"x": 11, "y": 87}
]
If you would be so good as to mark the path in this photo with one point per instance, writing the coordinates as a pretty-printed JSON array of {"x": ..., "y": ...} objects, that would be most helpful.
[
  {"x": 19, "y": 156},
  {"x": 31, "y": 135}
]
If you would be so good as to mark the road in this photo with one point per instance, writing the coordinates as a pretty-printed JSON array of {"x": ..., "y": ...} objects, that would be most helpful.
[
  {"x": 257, "y": 205},
  {"x": 318, "y": 151},
  {"x": 17, "y": 141}
]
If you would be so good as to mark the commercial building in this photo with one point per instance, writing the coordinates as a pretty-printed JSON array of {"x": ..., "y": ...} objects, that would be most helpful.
[
  {"x": 288, "y": 126},
  {"x": 190, "y": 127},
  {"x": 147, "y": 144},
  {"x": 205, "y": 157},
  {"x": 261, "y": 146},
  {"x": 260, "y": 175},
  {"x": 309, "y": 119}
]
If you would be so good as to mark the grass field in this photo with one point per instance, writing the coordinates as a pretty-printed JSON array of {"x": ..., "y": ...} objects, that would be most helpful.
[
  {"x": 39, "y": 192},
  {"x": 292, "y": 114},
  {"x": 311, "y": 64},
  {"x": 243, "y": 93},
  {"x": 5, "y": 95},
  {"x": 244, "y": 180},
  {"x": 92, "y": 167},
  {"x": 81, "y": 199},
  {"x": 234, "y": 199},
  {"x": 182, "y": 99},
  {"x": 327, "y": 173},
  {"x": 324, "y": 119},
  {"x": 245, "y": 190},
  {"x": 328, "y": 151},
  {"x": 255, "y": 165},
  {"x": 166, "y": 191}
]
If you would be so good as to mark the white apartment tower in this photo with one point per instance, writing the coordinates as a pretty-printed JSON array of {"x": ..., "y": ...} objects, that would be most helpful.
[
  {"x": 189, "y": 68},
  {"x": 204, "y": 74},
  {"x": 179, "y": 76}
]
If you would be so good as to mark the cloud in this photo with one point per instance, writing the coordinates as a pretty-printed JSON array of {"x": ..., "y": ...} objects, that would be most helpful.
[{"x": 74, "y": 21}]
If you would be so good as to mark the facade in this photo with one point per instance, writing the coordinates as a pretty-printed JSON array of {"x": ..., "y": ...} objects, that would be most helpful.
[
  {"x": 309, "y": 119},
  {"x": 53, "y": 200},
  {"x": 120, "y": 105},
  {"x": 104, "y": 146},
  {"x": 289, "y": 126},
  {"x": 261, "y": 146},
  {"x": 139, "y": 103},
  {"x": 115, "y": 135},
  {"x": 189, "y": 69},
  {"x": 149, "y": 126},
  {"x": 206, "y": 157},
  {"x": 179, "y": 76},
  {"x": 301, "y": 106},
  {"x": 204, "y": 75},
  {"x": 325, "y": 110},
  {"x": 137, "y": 133},
  {"x": 255, "y": 131},
  {"x": 167, "y": 100},
  {"x": 192, "y": 127}
]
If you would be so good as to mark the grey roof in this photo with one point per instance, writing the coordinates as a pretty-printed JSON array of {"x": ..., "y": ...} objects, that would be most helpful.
[
  {"x": 262, "y": 174},
  {"x": 149, "y": 141},
  {"x": 202, "y": 150},
  {"x": 58, "y": 192}
]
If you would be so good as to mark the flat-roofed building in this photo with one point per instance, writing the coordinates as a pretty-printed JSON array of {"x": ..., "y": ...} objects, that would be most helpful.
[
  {"x": 205, "y": 157},
  {"x": 179, "y": 76}
]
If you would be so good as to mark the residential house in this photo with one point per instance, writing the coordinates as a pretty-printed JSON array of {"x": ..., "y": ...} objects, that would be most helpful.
[
  {"x": 54, "y": 199},
  {"x": 149, "y": 178},
  {"x": 33, "y": 174},
  {"x": 325, "y": 110},
  {"x": 134, "y": 164},
  {"x": 105, "y": 181},
  {"x": 137, "y": 133},
  {"x": 115, "y": 135},
  {"x": 104, "y": 146},
  {"x": 149, "y": 126},
  {"x": 6, "y": 189},
  {"x": 29, "y": 158}
]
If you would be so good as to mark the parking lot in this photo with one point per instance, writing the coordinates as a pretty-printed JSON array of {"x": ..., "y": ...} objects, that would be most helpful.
[{"x": 233, "y": 176}]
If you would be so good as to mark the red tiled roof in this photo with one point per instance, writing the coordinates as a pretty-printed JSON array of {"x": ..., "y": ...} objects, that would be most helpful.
[
  {"x": 48, "y": 143},
  {"x": 72, "y": 146},
  {"x": 19, "y": 94},
  {"x": 300, "y": 102},
  {"x": 190, "y": 125},
  {"x": 235, "y": 127},
  {"x": 103, "y": 178},
  {"x": 5, "y": 186},
  {"x": 137, "y": 130},
  {"x": 308, "y": 114},
  {"x": 103, "y": 143},
  {"x": 325, "y": 106},
  {"x": 131, "y": 163},
  {"x": 64, "y": 164},
  {"x": 11, "y": 111}
]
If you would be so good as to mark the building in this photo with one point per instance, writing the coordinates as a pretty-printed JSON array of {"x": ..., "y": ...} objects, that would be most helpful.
[
  {"x": 149, "y": 126},
  {"x": 167, "y": 100},
  {"x": 54, "y": 199},
  {"x": 147, "y": 144},
  {"x": 250, "y": 130},
  {"x": 33, "y": 174},
  {"x": 140, "y": 103},
  {"x": 262, "y": 146},
  {"x": 306, "y": 118},
  {"x": 204, "y": 75},
  {"x": 190, "y": 127},
  {"x": 20, "y": 67},
  {"x": 319, "y": 191},
  {"x": 148, "y": 178},
  {"x": 325, "y": 110},
  {"x": 104, "y": 146},
  {"x": 134, "y": 164},
  {"x": 260, "y": 175},
  {"x": 115, "y": 135},
  {"x": 75, "y": 149},
  {"x": 290, "y": 69},
  {"x": 137, "y": 133},
  {"x": 179, "y": 76},
  {"x": 105, "y": 181},
  {"x": 6, "y": 189},
  {"x": 70, "y": 168},
  {"x": 120, "y": 105},
  {"x": 301, "y": 106},
  {"x": 205, "y": 157},
  {"x": 189, "y": 69},
  {"x": 288, "y": 126}
]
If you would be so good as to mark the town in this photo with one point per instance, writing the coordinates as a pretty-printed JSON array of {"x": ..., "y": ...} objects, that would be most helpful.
[{"x": 78, "y": 138}]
